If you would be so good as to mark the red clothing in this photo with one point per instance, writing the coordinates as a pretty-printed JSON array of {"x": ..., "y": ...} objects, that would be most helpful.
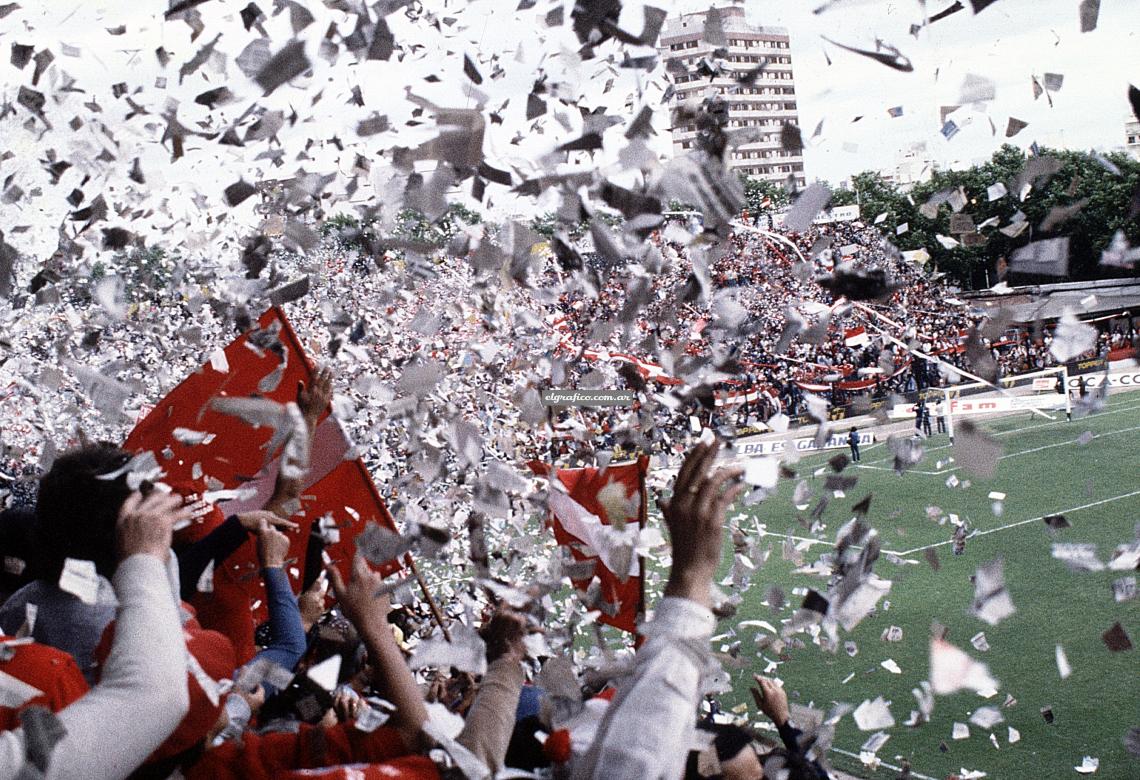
[
  {"x": 280, "y": 755},
  {"x": 406, "y": 768},
  {"x": 215, "y": 655},
  {"x": 50, "y": 670},
  {"x": 227, "y": 611}
]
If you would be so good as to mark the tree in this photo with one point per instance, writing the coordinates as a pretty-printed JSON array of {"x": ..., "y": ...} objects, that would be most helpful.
[
  {"x": 348, "y": 232},
  {"x": 412, "y": 225},
  {"x": 841, "y": 196},
  {"x": 548, "y": 224},
  {"x": 878, "y": 197},
  {"x": 676, "y": 205},
  {"x": 1080, "y": 177},
  {"x": 970, "y": 266},
  {"x": 146, "y": 272},
  {"x": 762, "y": 196}
]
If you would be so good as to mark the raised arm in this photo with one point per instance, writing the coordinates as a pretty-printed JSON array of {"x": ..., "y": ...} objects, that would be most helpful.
[
  {"x": 663, "y": 689},
  {"x": 286, "y": 633},
  {"x": 391, "y": 675},
  {"x": 772, "y": 700},
  {"x": 220, "y": 544},
  {"x": 490, "y": 721},
  {"x": 142, "y": 696},
  {"x": 312, "y": 401}
]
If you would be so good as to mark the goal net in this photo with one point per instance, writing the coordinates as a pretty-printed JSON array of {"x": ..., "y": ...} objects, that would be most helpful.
[{"x": 1039, "y": 393}]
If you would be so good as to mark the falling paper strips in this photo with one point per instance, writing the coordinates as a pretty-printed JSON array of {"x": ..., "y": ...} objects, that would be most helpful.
[{"x": 609, "y": 371}]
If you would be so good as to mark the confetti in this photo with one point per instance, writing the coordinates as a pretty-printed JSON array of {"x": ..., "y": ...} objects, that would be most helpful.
[
  {"x": 1116, "y": 639},
  {"x": 952, "y": 670},
  {"x": 80, "y": 580},
  {"x": 873, "y": 715},
  {"x": 258, "y": 160},
  {"x": 992, "y": 602}
]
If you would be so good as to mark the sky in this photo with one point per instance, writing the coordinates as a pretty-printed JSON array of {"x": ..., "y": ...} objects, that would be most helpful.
[{"x": 1009, "y": 42}]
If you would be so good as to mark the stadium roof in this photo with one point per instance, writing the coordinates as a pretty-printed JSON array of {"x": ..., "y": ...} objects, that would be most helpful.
[{"x": 1048, "y": 301}]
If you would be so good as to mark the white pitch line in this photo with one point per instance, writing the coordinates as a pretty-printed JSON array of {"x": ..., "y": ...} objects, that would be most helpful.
[
  {"x": 1013, "y": 430},
  {"x": 1008, "y": 454},
  {"x": 908, "y": 471},
  {"x": 1066, "y": 443},
  {"x": 892, "y": 767},
  {"x": 1024, "y": 522},
  {"x": 797, "y": 538},
  {"x": 774, "y": 535}
]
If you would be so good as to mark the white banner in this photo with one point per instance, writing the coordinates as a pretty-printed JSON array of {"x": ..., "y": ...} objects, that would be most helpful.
[
  {"x": 1124, "y": 379},
  {"x": 747, "y": 448},
  {"x": 971, "y": 406},
  {"x": 739, "y": 397},
  {"x": 836, "y": 214}
]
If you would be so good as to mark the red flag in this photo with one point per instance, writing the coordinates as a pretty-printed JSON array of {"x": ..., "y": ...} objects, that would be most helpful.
[
  {"x": 604, "y": 493},
  {"x": 244, "y": 368},
  {"x": 856, "y": 337},
  {"x": 267, "y": 362}
]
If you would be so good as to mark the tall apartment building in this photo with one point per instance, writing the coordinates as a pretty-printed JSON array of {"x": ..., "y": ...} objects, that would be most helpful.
[
  {"x": 1132, "y": 137},
  {"x": 764, "y": 105},
  {"x": 914, "y": 165}
]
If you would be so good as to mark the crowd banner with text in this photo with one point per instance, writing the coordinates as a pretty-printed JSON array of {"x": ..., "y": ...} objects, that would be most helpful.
[
  {"x": 1122, "y": 379},
  {"x": 968, "y": 407},
  {"x": 747, "y": 448}
]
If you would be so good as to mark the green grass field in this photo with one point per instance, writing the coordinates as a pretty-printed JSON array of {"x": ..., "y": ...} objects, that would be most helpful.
[{"x": 1043, "y": 470}]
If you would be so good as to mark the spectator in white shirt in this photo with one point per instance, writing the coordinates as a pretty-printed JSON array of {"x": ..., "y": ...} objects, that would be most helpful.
[
  {"x": 143, "y": 694},
  {"x": 647, "y": 731}
]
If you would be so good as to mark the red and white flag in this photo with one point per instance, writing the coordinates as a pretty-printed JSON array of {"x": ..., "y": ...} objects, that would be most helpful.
[
  {"x": 207, "y": 451},
  {"x": 587, "y": 518},
  {"x": 856, "y": 337}
]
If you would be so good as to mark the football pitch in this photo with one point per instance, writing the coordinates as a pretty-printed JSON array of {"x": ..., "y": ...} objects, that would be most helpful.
[{"x": 1044, "y": 470}]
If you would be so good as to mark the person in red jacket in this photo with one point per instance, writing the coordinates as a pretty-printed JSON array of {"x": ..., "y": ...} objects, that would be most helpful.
[
  {"x": 396, "y": 746},
  {"x": 52, "y": 673}
]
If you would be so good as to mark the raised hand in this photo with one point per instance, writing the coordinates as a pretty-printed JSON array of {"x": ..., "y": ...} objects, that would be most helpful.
[
  {"x": 357, "y": 597},
  {"x": 272, "y": 546},
  {"x": 772, "y": 699},
  {"x": 251, "y": 521},
  {"x": 313, "y": 400},
  {"x": 312, "y": 601},
  {"x": 146, "y": 525},
  {"x": 695, "y": 518},
  {"x": 504, "y": 634}
]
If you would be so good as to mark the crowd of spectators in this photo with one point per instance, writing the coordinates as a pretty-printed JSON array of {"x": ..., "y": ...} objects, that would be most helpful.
[
  {"x": 132, "y": 669},
  {"x": 143, "y": 658},
  {"x": 760, "y": 285}
]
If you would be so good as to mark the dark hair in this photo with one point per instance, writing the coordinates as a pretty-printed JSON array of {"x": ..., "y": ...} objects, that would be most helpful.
[
  {"x": 728, "y": 741},
  {"x": 332, "y": 635},
  {"x": 792, "y": 765},
  {"x": 16, "y": 523},
  {"x": 77, "y": 509}
]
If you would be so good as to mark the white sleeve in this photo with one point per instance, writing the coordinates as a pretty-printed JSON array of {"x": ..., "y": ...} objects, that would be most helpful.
[
  {"x": 142, "y": 696},
  {"x": 647, "y": 731}
]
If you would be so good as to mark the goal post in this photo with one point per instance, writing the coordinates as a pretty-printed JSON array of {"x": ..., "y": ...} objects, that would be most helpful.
[{"x": 1037, "y": 392}]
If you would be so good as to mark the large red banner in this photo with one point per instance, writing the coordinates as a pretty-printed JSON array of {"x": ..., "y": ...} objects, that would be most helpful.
[
  {"x": 600, "y": 492},
  {"x": 265, "y": 362}
]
